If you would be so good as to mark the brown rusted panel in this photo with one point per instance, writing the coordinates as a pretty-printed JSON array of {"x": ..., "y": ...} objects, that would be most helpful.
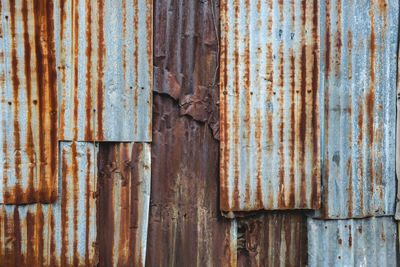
[
  {"x": 185, "y": 225},
  {"x": 272, "y": 239},
  {"x": 269, "y": 96},
  {"x": 59, "y": 234},
  {"x": 186, "y": 56},
  {"x": 123, "y": 203},
  {"x": 105, "y": 69},
  {"x": 28, "y": 103}
]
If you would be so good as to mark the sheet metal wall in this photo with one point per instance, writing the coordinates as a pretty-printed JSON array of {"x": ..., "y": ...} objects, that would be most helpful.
[
  {"x": 28, "y": 103},
  {"x": 358, "y": 80},
  {"x": 104, "y": 59},
  {"x": 60, "y": 234},
  {"x": 269, "y": 105},
  {"x": 123, "y": 203},
  {"x": 365, "y": 242}
]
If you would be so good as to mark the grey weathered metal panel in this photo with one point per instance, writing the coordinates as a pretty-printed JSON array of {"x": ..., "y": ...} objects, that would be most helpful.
[
  {"x": 353, "y": 242},
  {"x": 104, "y": 64},
  {"x": 269, "y": 105},
  {"x": 358, "y": 88},
  {"x": 28, "y": 103},
  {"x": 60, "y": 234},
  {"x": 123, "y": 203}
]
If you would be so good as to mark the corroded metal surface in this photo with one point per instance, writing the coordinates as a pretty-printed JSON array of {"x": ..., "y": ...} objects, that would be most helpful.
[
  {"x": 186, "y": 56},
  {"x": 362, "y": 242},
  {"x": 272, "y": 239},
  {"x": 185, "y": 225},
  {"x": 358, "y": 91},
  {"x": 269, "y": 105},
  {"x": 60, "y": 234},
  {"x": 123, "y": 203},
  {"x": 28, "y": 103},
  {"x": 104, "y": 64}
]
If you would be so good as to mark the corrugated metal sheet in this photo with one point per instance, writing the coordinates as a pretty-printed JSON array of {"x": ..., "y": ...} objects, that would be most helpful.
[
  {"x": 123, "y": 203},
  {"x": 365, "y": 242},
  {"x": 269, "y": 105},
  {"x": 277, "y": 239},
  {"x": 358, "y": 73},
  {"x": 185, "y": 225},
  {"x": 186, "y": 56},
  {"x": 60, "y": 234},
  {"x": 28, "y": 103},
  {"x": 104, "y": 64}
]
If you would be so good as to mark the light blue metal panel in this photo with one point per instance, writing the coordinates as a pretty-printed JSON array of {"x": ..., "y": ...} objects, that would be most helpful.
[
  {"x": 269, "y": 105},
  {"x": 353, "y": 242},
  {"x": 358, "y": 104},
  {"x": 104, "y": 63}
]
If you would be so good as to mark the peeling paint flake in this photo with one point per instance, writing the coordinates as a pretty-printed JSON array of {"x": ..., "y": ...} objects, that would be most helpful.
[{"x": 269, "y": 105}]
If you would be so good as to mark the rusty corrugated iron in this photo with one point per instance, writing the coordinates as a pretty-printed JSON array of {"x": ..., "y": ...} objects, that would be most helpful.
[
  {"x": 28, "y": 99},
  {"x": 353, "y": 242},
  {"x": 59, "y": 234},
  {"x": 186, "y": 56},
  {"x": 269, "y": 105},
  {"x": 272, "y": 239},
  {"x": 104, "y": 65},
  {"x": 358, "y": 73},
  {"x": 123, "y": 203},
  {"x": 185, "y": 225}
]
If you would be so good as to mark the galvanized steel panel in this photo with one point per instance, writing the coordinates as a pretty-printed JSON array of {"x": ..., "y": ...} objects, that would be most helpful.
[
  {"x": 353, "y": 242},
  {"x": 60, "y": 234},
  {"x": 104, "y": 64},
  {"x": 269, "y": 105},
  {"x": 123, "y": 203},
  {"x": 28, "y": 103},
  {"x": 358, "y": 88},
  {"x": 273, "y": 239}
]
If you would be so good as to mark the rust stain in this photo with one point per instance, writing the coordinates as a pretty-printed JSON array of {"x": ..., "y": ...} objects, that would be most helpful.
[
  {"x": 88, "y": 101},
  {"x": 100, "y": 70}
]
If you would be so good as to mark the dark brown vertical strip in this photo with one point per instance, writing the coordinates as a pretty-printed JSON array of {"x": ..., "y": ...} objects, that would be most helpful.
[{"x": 105, "y": 212}]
